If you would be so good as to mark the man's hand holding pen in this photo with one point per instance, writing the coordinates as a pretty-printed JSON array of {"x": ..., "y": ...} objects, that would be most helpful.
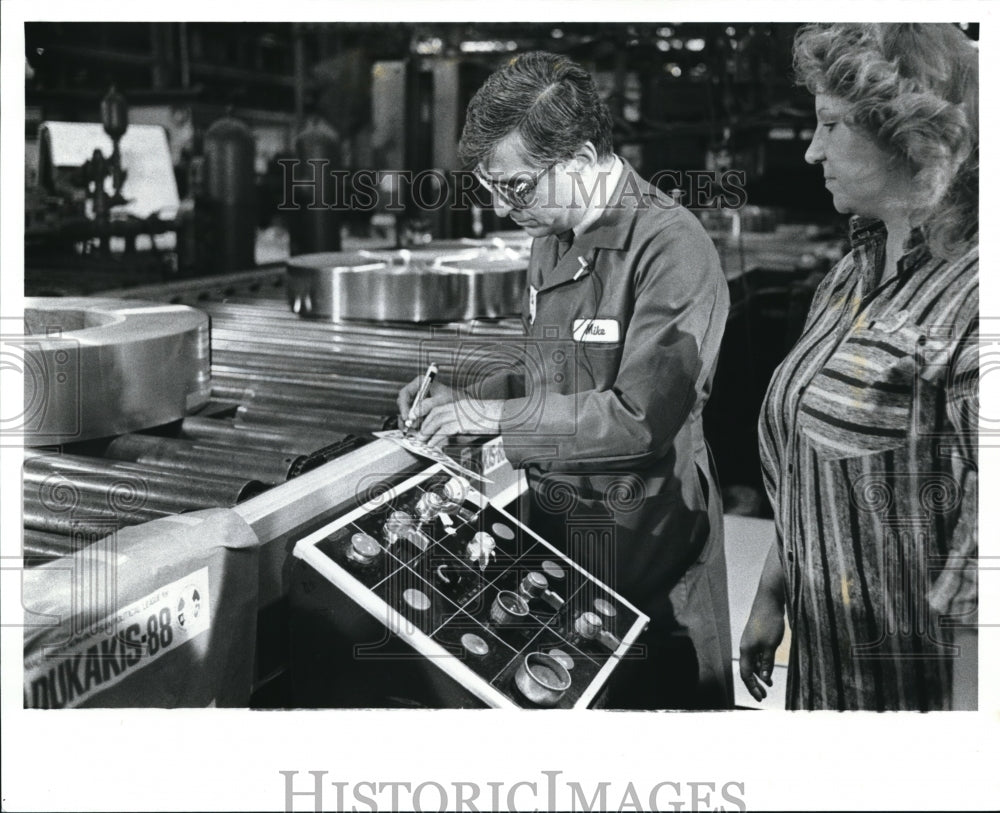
[{"x": 444, "y": 412}]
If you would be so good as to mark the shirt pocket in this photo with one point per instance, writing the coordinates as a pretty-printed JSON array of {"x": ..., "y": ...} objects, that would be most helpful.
[
  {"x": 597, "y": 364},
  {"x": 862, "y": 400}
]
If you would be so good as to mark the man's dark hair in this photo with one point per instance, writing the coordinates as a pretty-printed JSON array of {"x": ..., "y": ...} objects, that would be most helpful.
[{"x": 548, "y": 99}]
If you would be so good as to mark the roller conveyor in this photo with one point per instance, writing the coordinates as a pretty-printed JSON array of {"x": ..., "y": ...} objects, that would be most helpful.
[
  {"x": 158, "y": 482},
  {"x": 286, "y": 394},
  {"x": 229, "y": 433},
  {"x": 84, "y": 498},
  {"x": 211, "y": 459},
  {"x": 289, "y": 406}
]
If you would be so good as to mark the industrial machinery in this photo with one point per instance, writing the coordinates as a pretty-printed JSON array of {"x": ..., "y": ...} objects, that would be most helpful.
[
  {"x": 101, "y": 212},
  {"x": 125, "y": 388},
  {"x": 280, "y": 432}
]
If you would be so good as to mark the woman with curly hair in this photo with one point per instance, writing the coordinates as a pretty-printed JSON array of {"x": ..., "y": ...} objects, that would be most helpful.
[{"x": 868, "y": 431}]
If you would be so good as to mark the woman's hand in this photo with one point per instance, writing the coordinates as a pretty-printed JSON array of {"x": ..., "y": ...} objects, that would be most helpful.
[
  {"x": 761, "y": 638},
  {"x": 765, "y": 628}
]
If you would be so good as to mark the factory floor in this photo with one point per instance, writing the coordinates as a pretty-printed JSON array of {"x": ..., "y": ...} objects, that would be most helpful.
[{"x": 747, "y": 543}]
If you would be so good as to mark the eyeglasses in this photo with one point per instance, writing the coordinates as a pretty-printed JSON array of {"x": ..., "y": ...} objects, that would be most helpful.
[{"x": 518, "y": 193}]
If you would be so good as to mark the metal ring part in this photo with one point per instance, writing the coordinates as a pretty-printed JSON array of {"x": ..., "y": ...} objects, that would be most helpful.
[
  {"x": 541, "y": 678},
  {"x": 436, "y": 283},
  {"x": 100, "y": 367}
]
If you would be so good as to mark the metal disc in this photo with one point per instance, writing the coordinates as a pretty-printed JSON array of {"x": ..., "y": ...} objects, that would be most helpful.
[
  {"x": 563, "y": 658},
  {"x": 416, "y": 599},
  {"x": 364, "y": 546},
  {"x": 553, "y": 570},
  {"x": 473, "y": 644},
  {"x": 605, "y": 608},
  {"x": 503, "y": 531}
]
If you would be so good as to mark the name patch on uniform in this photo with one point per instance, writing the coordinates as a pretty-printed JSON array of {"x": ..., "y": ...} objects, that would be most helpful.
[{"x": 596, "y": 330}]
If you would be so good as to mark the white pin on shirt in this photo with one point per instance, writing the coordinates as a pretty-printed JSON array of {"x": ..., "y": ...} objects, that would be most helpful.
[
  {"x": 891, "y": 323},
  {"x": 532, "y": 303}
]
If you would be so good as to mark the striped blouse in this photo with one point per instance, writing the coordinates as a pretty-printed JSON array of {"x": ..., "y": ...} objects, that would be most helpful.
[{"x": 868, "y": 446}]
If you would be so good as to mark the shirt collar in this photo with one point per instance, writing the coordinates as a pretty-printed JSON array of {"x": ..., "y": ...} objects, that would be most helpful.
[
  {"x": 599, "y": 203},
  {"x": 869, "y": 232},
  {"x": 863, "y": 229}
]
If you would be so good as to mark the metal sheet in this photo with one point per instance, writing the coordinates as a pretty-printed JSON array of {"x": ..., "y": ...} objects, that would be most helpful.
[{"x": 100, "y": 367}]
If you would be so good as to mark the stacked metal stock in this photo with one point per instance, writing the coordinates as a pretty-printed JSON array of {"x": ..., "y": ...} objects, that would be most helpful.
[{"x": 287, "y": 394}]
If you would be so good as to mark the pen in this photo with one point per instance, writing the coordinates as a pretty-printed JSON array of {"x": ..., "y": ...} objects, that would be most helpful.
[{"x": 424, "y": 386}]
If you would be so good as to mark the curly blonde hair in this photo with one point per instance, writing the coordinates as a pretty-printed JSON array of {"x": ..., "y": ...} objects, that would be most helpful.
[{"x": 914, "y": 88}]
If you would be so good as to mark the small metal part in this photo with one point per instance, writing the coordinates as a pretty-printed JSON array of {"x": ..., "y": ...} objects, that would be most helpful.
[
  {"x": 505, "y": 532},
  {"x": 418, "y": 538},
  {"x": 542, "y": 679},
  {"x": 364, "y": 549},
  {"x": 455, "y": 491},
  {"x": 429, "y": 506},
  {"x": 466, "y": 515},
  {"x": 553, "y": 570},
  {"x": 398, "y": 523},
  {"x": 417, "y": 599},
  {"x": 481, "y": 547},
  {"x": 605, "y": 608},
  {"x": 590, "y": 626},
  {"x": 474, "y": 645},
  {"x": 563, "y": 658},
  {"x": 535, "y": 585},
  {"x": 508, "y": 607}
]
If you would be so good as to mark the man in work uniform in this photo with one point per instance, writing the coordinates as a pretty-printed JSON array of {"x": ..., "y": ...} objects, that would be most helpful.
[{"x": 626, "y": 305}]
